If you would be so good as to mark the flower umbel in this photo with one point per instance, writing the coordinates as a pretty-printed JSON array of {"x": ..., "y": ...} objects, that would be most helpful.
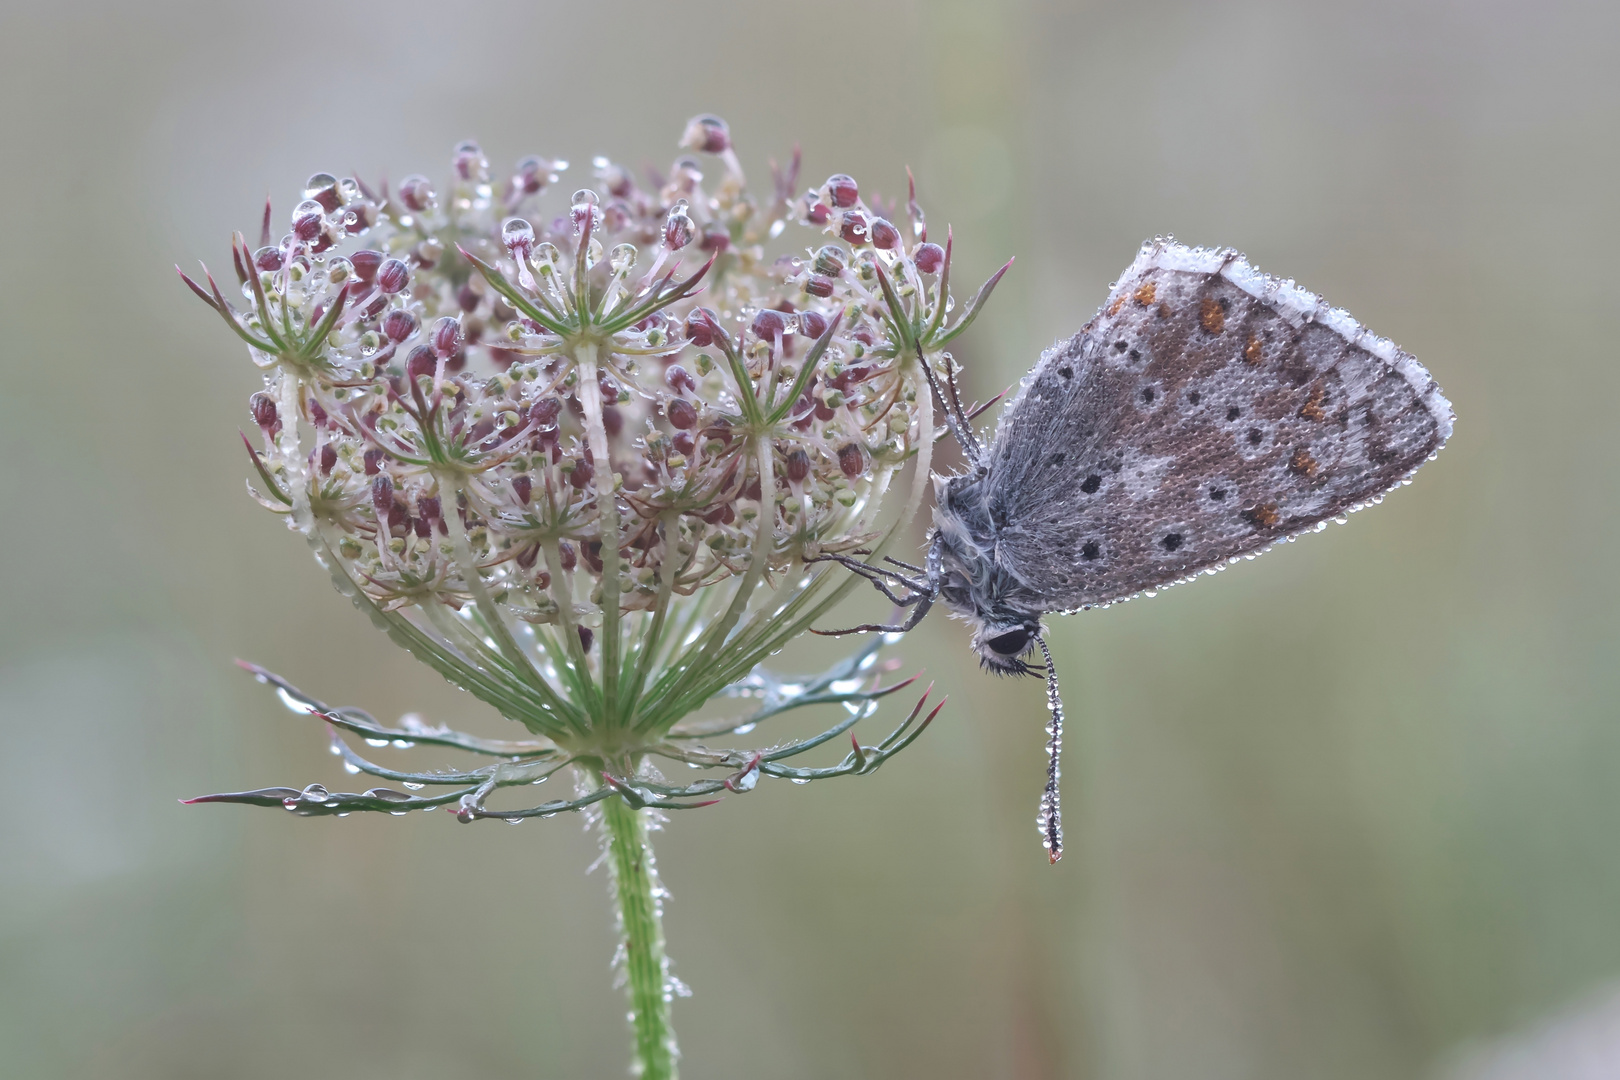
[{"x": 588, "y": 463}]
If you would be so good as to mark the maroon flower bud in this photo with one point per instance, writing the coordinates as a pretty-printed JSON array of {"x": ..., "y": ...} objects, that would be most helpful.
[
  {"x": 819, "y": 286},
  {"x": 328, "y": 458},
  {"x": 392, "y": 276},
  {"x": 679, "y": 379},
  {"x": 702, "y": 327},
  {"x": 819, "y": 214},
  {"x": 566, "y": 556},
  {"x": 317, "y": 415},
  {"x": 268, "y": 259},
  {"x": 612, "y": 421},
  {"x": 884, "y": 235},
  {"x": 398, "y": 325},
  {"x": 323, "y": 188},
  {"x": 358, "y": 218},
  {"x": 678, "y": 227},
  {"x": 851, "y": 460},
  {"x": 546, "y": 411},
  {"x": 582, "y": 472},
  {"x": 429, "y": 509},
  {"x": 382, "y": 494},
  {"x": 798, "y": 466},
  {"x": 467, "y": 298},
  {"x": 308, "y": 220},
  {"x": 469, "y": 162},
  {"x": 264, "y": 411},
  {"x": 416, "y": 192},
  {"x": 420, "y": 362},
  {"x": 812, "y": 324},
  {"x": 365, "y": 265},
  {"x": 853, "y": 227},
  {"x": 683, "y": 415},
  {"x": 397, "y": 519},
  {"x": 373, "y": 461},
  {"x": 822, "y": 412},
  {"x": 522, "y": 487},
  {"x": 929, "y": 258},
  {"x": 683, "y": 442},
  {"x": 586, "y": 636},
  {"x": 708, "y": 134},
  {"x": 584, "y": 211},
  {"x": 751, "y": 490},
  {"x": 533, "y": 173},
  {"x": 456, "y": 360},
  {"x": 842, "y": 190},
  {"x": 769, "y": 325},
  {"x": 715, "y": 239},
  {"x": 830, "y": 260},
  {"x": 446, "y": 336}
]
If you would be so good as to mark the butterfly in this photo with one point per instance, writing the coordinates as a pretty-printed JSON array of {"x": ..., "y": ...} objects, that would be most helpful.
[{"x": 1207, "y": 412}]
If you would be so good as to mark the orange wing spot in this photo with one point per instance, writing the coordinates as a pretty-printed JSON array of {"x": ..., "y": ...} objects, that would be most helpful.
[
  {"x": 1305, "y": 465},
  {"x": 1145, "y": 293},
  {"x": 1251, "y": 351},
  {"x": 1119, "y": 302},
  {"x": 1210, "y": 316},
  {"x": 1312, "y": 409},
  {"x": 1264, "y": 516}
]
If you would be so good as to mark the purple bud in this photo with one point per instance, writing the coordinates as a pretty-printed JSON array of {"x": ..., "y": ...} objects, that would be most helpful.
[
  {"x": 830, "y": 261},
  {"x": 267, "y": 259},
  {"x": 586, "y": 637},
  {"x": 769, "y": 325},
  {"x": 307, "y": 220},
  {"x": 819, "y": 214},
  {"x": 428, "y": 508},
  {"x": 853, "y": 227},
  {"x": 683, "y": 442},
  {"x": 566, "y": 556},
  {"x": 702, "y": 327},
  {"x": 393, "y": 276},
  {"x": 929, "y": 258},
  {"x": 467, "y": 298},
  {"x": 708, "y": 134},
  {"x": 264, "y": 411},
  {"x": 682, "y": 414},
  {"x": 373, "y": 459},
  {"x": 420, "y": 362},
  {"x": 546, "y": 411},
  {"x": 469, "y": 162},
  {"x": 851, "y": 460},
  {"x": 884, "y": 235},
  {"x": 819, "y": 286},
  {"x": 812, "y": 324},
  {"x": 446, "y": 336},
  {"x": 328, "y": 458},
  {"x": 528, "y": 556},
  {"x": 398, "y": 325},
  {"x": 798, "y": 466},
  {"x": 365, "y": 265},
  {"x": 715, "y": 239},
  {"x": 582, "y": 473},
  {"x": 842, "y": 190},
  {"x": 678, "y": 229},
  {"x": 532, "y": 174},
  {"x": 679, "y": 379},
  {"x": 382, "y": 494},
  {"x": 322, "y": 187},
  {"x": 416, "y": 192},
  {"x": 522, "y": 487}
]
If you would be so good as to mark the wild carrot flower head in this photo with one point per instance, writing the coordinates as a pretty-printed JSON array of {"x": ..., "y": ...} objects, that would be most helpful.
[{"x": 582, "y": 454}]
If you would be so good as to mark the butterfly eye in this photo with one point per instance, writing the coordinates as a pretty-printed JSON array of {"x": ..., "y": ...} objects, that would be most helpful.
[{"x": 1011, "y": 643}]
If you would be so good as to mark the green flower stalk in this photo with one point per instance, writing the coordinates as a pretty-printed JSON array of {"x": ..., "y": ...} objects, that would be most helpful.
[{"x": 596, "y": 481}]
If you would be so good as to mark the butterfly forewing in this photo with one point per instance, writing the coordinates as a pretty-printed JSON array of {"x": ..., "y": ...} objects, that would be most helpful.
[{"x": 1205, "y": 413}]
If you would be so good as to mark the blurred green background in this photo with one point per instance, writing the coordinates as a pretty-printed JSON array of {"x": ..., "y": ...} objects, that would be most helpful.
[{"x": 1335, "y": 814}]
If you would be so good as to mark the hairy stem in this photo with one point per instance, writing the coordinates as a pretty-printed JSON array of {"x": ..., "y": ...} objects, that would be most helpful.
[{"x": 636, "y": 889}]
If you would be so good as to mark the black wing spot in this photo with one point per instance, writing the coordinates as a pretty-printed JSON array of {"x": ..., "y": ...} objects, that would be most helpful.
[
  {"x": 1256, "y": 436},
  {"x": 1066, "y": 371},
  {"x": 1195, "y": 397},
  {"x": 1218, "y": 494},
  {"x": 1121, "y": 345},
  {"x": 1089, "y": 551},
  {"x": 1148, "y": 395},
  {"x": 1233, "y": 413},
  {"x": 1171, "y": 541},
  {"x": 1090, "y": 485},
  {"x": 1136, "y": 354}
]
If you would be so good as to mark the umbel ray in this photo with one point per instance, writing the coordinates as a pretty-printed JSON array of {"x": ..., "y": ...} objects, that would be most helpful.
[{"x": 1205, "y": 413}]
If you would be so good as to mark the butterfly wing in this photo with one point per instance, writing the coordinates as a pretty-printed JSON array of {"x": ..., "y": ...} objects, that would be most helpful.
[{"x": 1205, "y": 413}]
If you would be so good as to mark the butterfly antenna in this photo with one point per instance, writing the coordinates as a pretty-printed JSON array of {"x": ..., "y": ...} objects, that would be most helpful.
[
  {"x": 951, "y": 406},
  {"x": 1050, "y": 819}
]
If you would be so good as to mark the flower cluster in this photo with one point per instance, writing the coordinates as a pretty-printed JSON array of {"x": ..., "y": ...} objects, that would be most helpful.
[{"x": 530, "y": 436}]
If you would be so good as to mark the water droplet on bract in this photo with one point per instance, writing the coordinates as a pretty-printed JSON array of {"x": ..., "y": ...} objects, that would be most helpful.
[
  {"x": 376, "y": 742},
  {"x": 517, "y": 232},
  {"x": 293, "y": 703},
  {"x": 622, "y": 258},
  {"x": 593, "y": 253},
  {"x": 351, "y": 768},
  {"x": 776, "y": 228},
  {"x": 318, "y": 185},
  {"x": 513, "y": 820},
  {"x": 315, "y": 793},
  {"x": 743, "y": 729},
  {"x": 404, "y": 744},
  {"x": 801, "y": 780},
  {"x": 412, "y": 786}
]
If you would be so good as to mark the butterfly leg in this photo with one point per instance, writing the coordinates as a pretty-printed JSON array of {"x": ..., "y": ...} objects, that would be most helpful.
[
  {"x": 923, "y": 601},
  {"x": 880, "y": 578}
]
